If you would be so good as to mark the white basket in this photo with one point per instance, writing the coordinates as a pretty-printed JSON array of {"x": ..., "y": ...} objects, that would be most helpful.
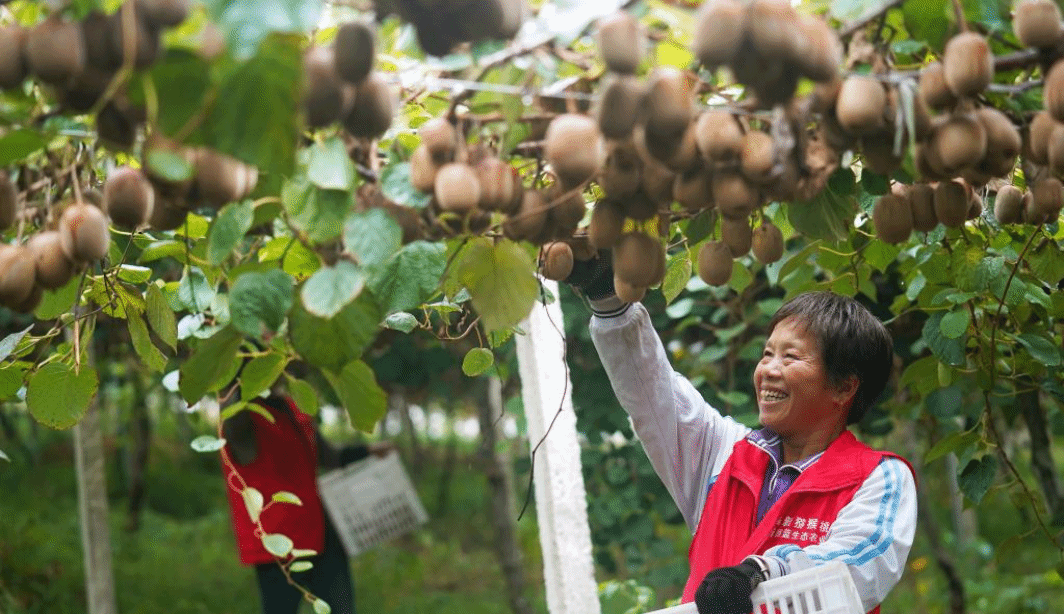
[
  {"x": 371, "y": 502},
  {"x": 824, "y": 589}
]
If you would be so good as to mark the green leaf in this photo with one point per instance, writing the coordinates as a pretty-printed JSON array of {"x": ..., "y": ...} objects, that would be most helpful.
[
  {"x": 232, "y": 223},
  {"x": 284, "y": 496},
  {"x": 332, "y": 343},
  {"x": 11, "y": 378},
  {"x": 320, "y": 607},
  {"x": 955, "y": 323},
  {"x": 501, "y": 281},
  {"x": 134, "y": 274},
  {"x": 977, "y": 477},
  {"x": 410, "y": 277},
  {"x": 259, "y": 301},
  {"x": 194, "y": 292},
  {"x": 10, "y": 342},
  {"x": 372, "y": 236},
  {"x": 55, "y": 303},
  {"x": 359, "y": 393},
  {"x": 58, "y": 396},
  {"x": 247, "y": 22},
  {"x": 329, "y": 167},
  {"x": 829, "y": 216},
  {"x": 477, "y": 361},
  {"x": 277, "y": 544},
  {"x": 401, "y": 321},
  {"x": 300, "y": 566},
  {"x": 17, "y": 145},
  {"x": 4, "y": 456},
  {"x": 304, "y": 396},
  {"x": 926, "y": 20},
  {"x": 949, "y": 351},
  {"x": 330, "y": 289},
  {"x": 677, "y": 274},
  {"x": 212, "y": 359},
  {"x": 318, "y": 213},
  {"x": 160, "y": 316},
  {"x": 260, "y": 373},
  {"x": 873, "y": 183},
  {"x": 396, "y": 186},
  {"x": 181, "y": 78},
  {"x": 142, "y": 344},
  {"x": 1041, "y": 349},
  {"x": 849, "y": 10},
  {"x": 253, "y": 502},
  {"x": 207, "y": 443},
  {"x": 945, "y": 403},
  {"x": 169, "y": 165},
  {"x": 957, "y": 443}
]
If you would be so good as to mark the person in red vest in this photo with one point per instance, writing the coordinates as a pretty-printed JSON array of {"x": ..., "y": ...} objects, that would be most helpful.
[
  {"x": 798, "y": 492},
  {"x": 282, "y": 454}
]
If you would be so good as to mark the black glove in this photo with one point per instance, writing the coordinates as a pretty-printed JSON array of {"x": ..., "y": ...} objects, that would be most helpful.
[
  {"x": 594, "y": 277},
  {"x": 727, "y": 590}
]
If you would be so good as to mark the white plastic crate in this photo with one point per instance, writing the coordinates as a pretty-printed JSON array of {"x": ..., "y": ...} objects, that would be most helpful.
[
  {"x": 371, "y": 502},
  {"x": 824, "y": 589}
]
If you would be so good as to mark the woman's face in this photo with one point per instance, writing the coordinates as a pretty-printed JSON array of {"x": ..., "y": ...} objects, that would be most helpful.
[{"x": 794, "y": 395}]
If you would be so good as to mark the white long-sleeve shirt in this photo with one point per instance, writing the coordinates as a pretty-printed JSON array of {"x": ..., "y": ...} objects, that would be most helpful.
[{"x": 688, "y": 442}]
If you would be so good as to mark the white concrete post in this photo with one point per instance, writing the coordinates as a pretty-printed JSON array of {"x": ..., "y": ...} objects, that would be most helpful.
[{"x": 561, "y": 501}]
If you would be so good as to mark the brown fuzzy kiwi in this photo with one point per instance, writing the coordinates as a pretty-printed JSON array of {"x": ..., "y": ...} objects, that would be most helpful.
[
  {"x": 83, "y": 233},
  {"x": 116, "y": 127},
  {"x": 1055, "y": 149},
  {"x": 353, "y": 51},
  {"x": 877, "y": 152},
  {"x": 892, "y": 217},
  {"x": 922, "y": 202},
  {"x": 1003, "y": 141},
  {"x": 951, "y": 203},
  {"x": 128, "y": 197},
  {"x": 737, "y": 235},
  {"x": 968, "y": 63},
  {"x": 627, "y": 292},
  {"x": 715, "y": 263},
  {"x": 975, "y": 205},
  {"x": 669, "y": 102},
  {"x": 8, "y": 201},
  {"x": 772, "y": 31},
  {"x": 457, "y": 187},
  {"x": 164, "y": 13},
  {"x": 84, "y": 91},
  {"x": 145, "y": 42},
  {"x": 641, "y": 207},
  {"x": 1046, "y": 198},
  {"x": 678, "y": 152},
  {"x": 720, "y": 27},
  {"x": 606, "y": 225},
  {"x": 423, "y": 169},
  {"x": 734, "y": 196},
  {"x": 635, "y": 258},
  {"x": 1008, "y": 205},
  {"x": 17, "y": 274},
  {"x": 13, "y": 69},
  {"x": 498, "y": 183},
  {"x": 622, "y": 174},
  {"x": 1037, "y": 23},
  {"x": 373, "y": 109},
  {"x": 556, "y": 260},
  {"x": 53, "y": 268},
  {"x": 933, "y": 88},
  {"x": 718, "y": 135},
  {"x": 323, "y": 100},
  {"x": 574, "y": 148},
  {"x": 440, "y": 137},
  {"x": 960, "y": 142},
  {"x": 694, "y": 189},
  {"x": 621, "y": 41},
  {"x": 220, "y": 179},
  {"x": 861, "y": 104},
  {"x": 168, "y": 214},
  {"x": 824, "y": 96},
  {"x": 1038, "y": 133},
  {"x": 767, "y": 243},
  {"x": 530, "y": 218},
  {"x": 928, "y": 165},
  {"x": 55, "y": 50},
  {"x": 97, "y": 30},
  {"x": 620, "y": 106},
  {"x": 567, "y": 210},
  {"x": 31, "y": 302},
  {"x": 757, "y": 156},
  {"x": 1053, "y": 91},
  {"x": 657, "y": 181},
  {"x": 821, "y": 62}
]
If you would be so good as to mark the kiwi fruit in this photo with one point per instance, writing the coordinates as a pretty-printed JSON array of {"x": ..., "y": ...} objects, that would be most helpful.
[
  {"x": 423, "y": 169},
  {"x": 877, "y": 153},
  {"x": 220, "y": 179},
  {"x": 641, "y": 207},
  {"x": 720, "y": 27},
  {"x": 8, "y": 202},
  {"x": 657, "y": 182},
  {"x": 1055, "y": 150},
  {"x": 757, "y": 156},
  {"x": 13, "y": 69},
  {"x": 933, "y": 88},
  {"x": 861, "y": 105},
  {"x": 892, "y": 216},
  {"x": 734, "y": 196},
  {"x": 960, "y": 142},
  {"x": 621, "y": 41},
  {"x": 373, "y": 108},
  {"x": 620, "y": 106},
  {"x": 968, "y": 64},
  {"x": 84, "y": 91},
  {"x": 167, "y": 214},
  {"x": 574, "y": 148},
  {"x": 457, "y": 187},
  {"x": 530, "y": 218},
  {"x": 1046, "y": 198},
  {"x": 715, "y": 263},
  {"x": 498, "y": 183},
  {"x": 824, "y": 50},
  {"x": 323, "y": 100},
  {"x": 1003, "y": 141},
  {"x": 694, "y": 189},
  {"x": 145, "y": 42},
  {"x": 921, "y": 198},
  {"x": 1038, "y": 137},
  {"x": 55, "y": 50},
  {"x": 128, "y": 197},
  {"x": 737, "y": 234},
  {"x": 567, "y": 210},
  {"x": 17, "y": 274},
  {"x": 556, "y": 260},
  {"x": 440, "y": 137},
  {"x": 83, "y": 232},
  {"x": 622, "y": 173},
  {"x": 951, "y": 203},
  {"x": 606, "y": 225},
  {"x": 164, "y": 13},
  {"x": 767, "y": 243},
  {"x": 115, "y": 127},
  {"x": 1053, "y": 91},
  {"x": 975, "y": 205},
  {"x": 353, "y": 51},
  {"x": 928, "y": 165},
  {"x": 678, "y": 152},
  {"x": 669, "y": 102},
  {"x": 771, "y": 29},
  {"x": 53, "y": 268},
  {"x": 635, "y": 258},
  {"x": 1008, "y": 205},
  {"x": 1037, "y": 23},
  {"x": 718, "y": 135},
  {"x": 627, "y": 292}
]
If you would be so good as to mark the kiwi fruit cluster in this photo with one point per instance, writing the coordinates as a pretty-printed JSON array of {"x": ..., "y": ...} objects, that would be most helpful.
[
  {"x": 1036, "y": 23},
  {"x": 442, "y": 25}
]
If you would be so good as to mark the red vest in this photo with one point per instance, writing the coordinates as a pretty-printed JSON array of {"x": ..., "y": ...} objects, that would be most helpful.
[
  {"x": 727, "y": 532},
  {"x": 286, "y": 461}
]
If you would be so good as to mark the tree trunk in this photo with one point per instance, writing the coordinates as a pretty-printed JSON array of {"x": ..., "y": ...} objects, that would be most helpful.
[
  {"x": 964, "y": 521},
  {"x": 417, "y": 456},
  {"x": 443, "y": 498},
  {"x": 139, "y": 447},
  {"x": 1042, "y": 454},
  {"x": 499, "y": 474}
]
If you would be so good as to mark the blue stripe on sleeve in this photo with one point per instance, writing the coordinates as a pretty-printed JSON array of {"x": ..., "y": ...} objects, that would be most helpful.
[{"x": 883, "y": 536}]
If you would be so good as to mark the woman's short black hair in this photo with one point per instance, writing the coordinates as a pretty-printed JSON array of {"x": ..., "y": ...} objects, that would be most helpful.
[{"x": 852, "y": 342}]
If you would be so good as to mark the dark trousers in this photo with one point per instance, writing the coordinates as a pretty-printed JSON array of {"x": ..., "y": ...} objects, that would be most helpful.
[{"x": 329, "y": 580}]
